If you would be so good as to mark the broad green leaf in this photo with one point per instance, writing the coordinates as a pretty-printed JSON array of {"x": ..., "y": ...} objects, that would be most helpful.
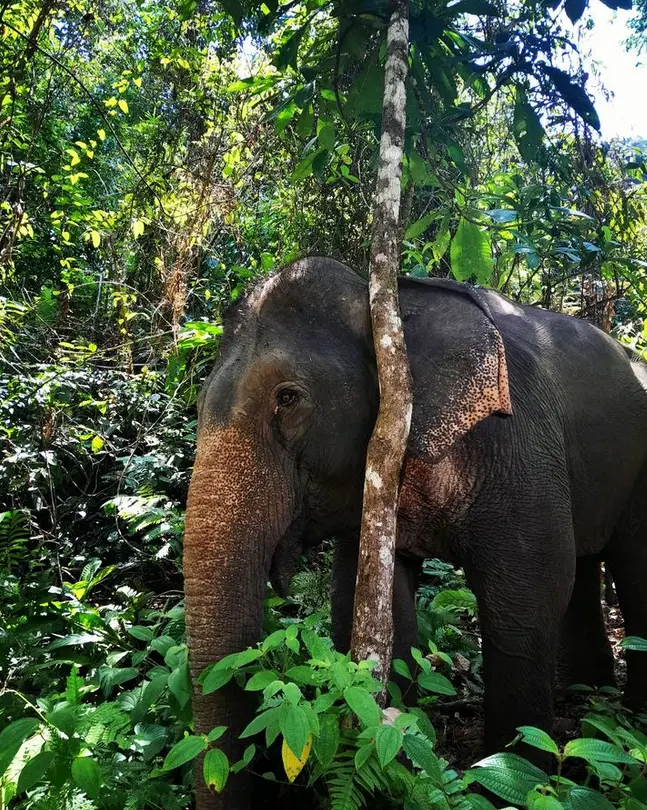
[
  {"x": 597, "y": 751},
  {"x": 363, "y": 705},
  {"x": 362, "y": 755},
  {"x": 508, "y": 776},
  {"x": 294, "y": 726},
  {"x": 215, "y": 679},
  {"x": 216, "y": 733},
  {"x": 141, "y": 633},
  {"x": 435, "y": 682},
  {"x": 273, "y": 641},
  {"x": 471, "y": 254},
  {"x": 179, "y": 683},
  {"x": 326, "y": 134},
  {"x": 527, "y": 129},
  {"x": 261, "y": 679},
  {"x": 574, "y": 9},
  {"x": 543, "y": 801},
  {"x": 574, "y": 95},
  {"x": 13, "y": 737},
  {"x": 634, "y": 643},
  {"x": 421, "y": 752},
  {"x": 184, "y": 751},
  {"x": 87, "y": 775},
  {"x": 260, "y": 722},
  {"x": 388, "y": 742},
  {"x": 479, "y": 7},
  {"x": 34, "y": 770},
  {"x": 215, "y": 769},
  {"x": 327, "y": 743},
  {"x": 419, "y": 227},
  {"x": 585, "y": 798},
  {"x": 538, "y": 739}
]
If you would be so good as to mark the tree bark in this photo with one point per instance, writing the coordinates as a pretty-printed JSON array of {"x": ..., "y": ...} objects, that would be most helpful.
[{"x": 372, "y": 636}]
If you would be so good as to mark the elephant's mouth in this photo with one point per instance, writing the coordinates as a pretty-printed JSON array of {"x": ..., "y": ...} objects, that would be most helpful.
[{"x": 286, "y": 556}]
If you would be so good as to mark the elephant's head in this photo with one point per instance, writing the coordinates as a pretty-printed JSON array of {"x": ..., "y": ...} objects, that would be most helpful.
[{"x": 284, "y": 423}]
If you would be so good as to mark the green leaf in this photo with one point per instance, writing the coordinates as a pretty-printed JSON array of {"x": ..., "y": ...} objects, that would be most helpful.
[
  {"x": 543, "y": 801},
  {"x": 634, "y": 643},
  {"x": 388, "y": 742},
  {"x": 261, "y": 679},
  {"x": 508, "y": 776},
  {"x": 527, "y": 129},
  {"x": 215, "y": 769},
  {"x": 574, "y": 95},
  {"x": 87, "y": 775},
  {"x": 140, "y": 632},
  {"x": 215, "y": 679},
  {"x": 34, "y": 771},
  {"x": 327, "y": 743},
  {"x": 13, "y": 737},
  {"x": 326, "y": 134},
  {"x": 584, "y": 798},
  {"x": 419, "y": 227},
  {"x": 435, "y": 682},
  {"x": 184, "y": 751},
  {"x": 470, "y": 253},
  {"x": 362, "y": 755},
  {"x": 479, "y": 7},
  {"x": 597, "y": 751},
  {"x": 179, "y": 683},
  {"x": 421, "y": 753},
  {"x": 574, "y": 9},
  {"x": 260, "y": 723},
  {"x": 295, "y": 727},
  {"x": 273, "y": 641},
  {"x": 363, "y": 704},
  {"x": 538, "y": 739},
  {"x": 216, "y": 733}
]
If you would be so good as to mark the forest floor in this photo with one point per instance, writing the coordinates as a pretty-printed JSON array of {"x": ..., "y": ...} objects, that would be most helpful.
[{"x": 459, "y": 723}]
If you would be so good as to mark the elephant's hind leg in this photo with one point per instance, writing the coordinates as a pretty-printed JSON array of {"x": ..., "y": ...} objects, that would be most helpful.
[
  {"x": 584, "y": 654},
  {"x": 627, "y": 558}
]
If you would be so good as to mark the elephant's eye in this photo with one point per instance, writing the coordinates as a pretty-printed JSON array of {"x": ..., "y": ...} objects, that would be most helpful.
[{"x": 286, "y": 398}]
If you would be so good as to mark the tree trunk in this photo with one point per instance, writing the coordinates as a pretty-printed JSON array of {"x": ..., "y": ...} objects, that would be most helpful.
[{"x": 373, "y": 623}]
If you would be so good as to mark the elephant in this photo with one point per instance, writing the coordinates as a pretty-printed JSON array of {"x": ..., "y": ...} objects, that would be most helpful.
[{"x": 526, "y": 465}]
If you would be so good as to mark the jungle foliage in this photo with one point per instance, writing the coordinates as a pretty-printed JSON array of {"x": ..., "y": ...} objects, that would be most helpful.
[{"x": 156, "y": 156}]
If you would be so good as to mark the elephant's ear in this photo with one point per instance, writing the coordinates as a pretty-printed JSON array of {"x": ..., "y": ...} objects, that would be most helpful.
[{"x": 458, "y": 364}]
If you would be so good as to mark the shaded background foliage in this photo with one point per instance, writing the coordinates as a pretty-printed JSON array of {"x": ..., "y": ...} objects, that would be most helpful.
[{"x": 156, "y": 156}]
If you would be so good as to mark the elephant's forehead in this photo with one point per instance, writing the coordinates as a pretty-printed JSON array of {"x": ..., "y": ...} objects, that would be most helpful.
[{"x": 259, "y": 295}]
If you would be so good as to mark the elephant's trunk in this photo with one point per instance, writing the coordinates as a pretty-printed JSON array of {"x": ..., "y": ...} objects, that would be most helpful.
[{"x": 238, "y": 508}]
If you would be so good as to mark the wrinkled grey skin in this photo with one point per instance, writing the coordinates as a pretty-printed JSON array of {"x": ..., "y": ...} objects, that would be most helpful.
[{"x": 528, "y": 503}]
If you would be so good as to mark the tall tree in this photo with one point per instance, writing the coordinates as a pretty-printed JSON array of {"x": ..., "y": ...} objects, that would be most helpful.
[{"x": 373, "y": 624}]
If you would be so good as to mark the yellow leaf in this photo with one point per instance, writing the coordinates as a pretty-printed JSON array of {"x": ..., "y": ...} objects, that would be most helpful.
[
  {"x": 74, "y": 156},
  {"x": 111, "y": 102},
  {"x": 123, "y": 105},
  {"x": 96, "y": 238},
  {"x": 138, "y": 228},
  {"x": 97, "y": 444},
  {"x": 294, "y": 765},
  {"x": 102, "y": 134},
  {"x": 138, "y": 82}
]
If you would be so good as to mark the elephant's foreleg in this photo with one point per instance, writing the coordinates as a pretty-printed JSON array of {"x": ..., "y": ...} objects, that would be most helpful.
[
  {"x": 405, "y": 583},
  {"x": 585, "y": 654},
  {"x": 342, "y": 596}
]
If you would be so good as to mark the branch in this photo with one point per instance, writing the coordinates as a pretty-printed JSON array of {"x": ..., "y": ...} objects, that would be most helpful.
[{"x": 96, "y": 104}]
